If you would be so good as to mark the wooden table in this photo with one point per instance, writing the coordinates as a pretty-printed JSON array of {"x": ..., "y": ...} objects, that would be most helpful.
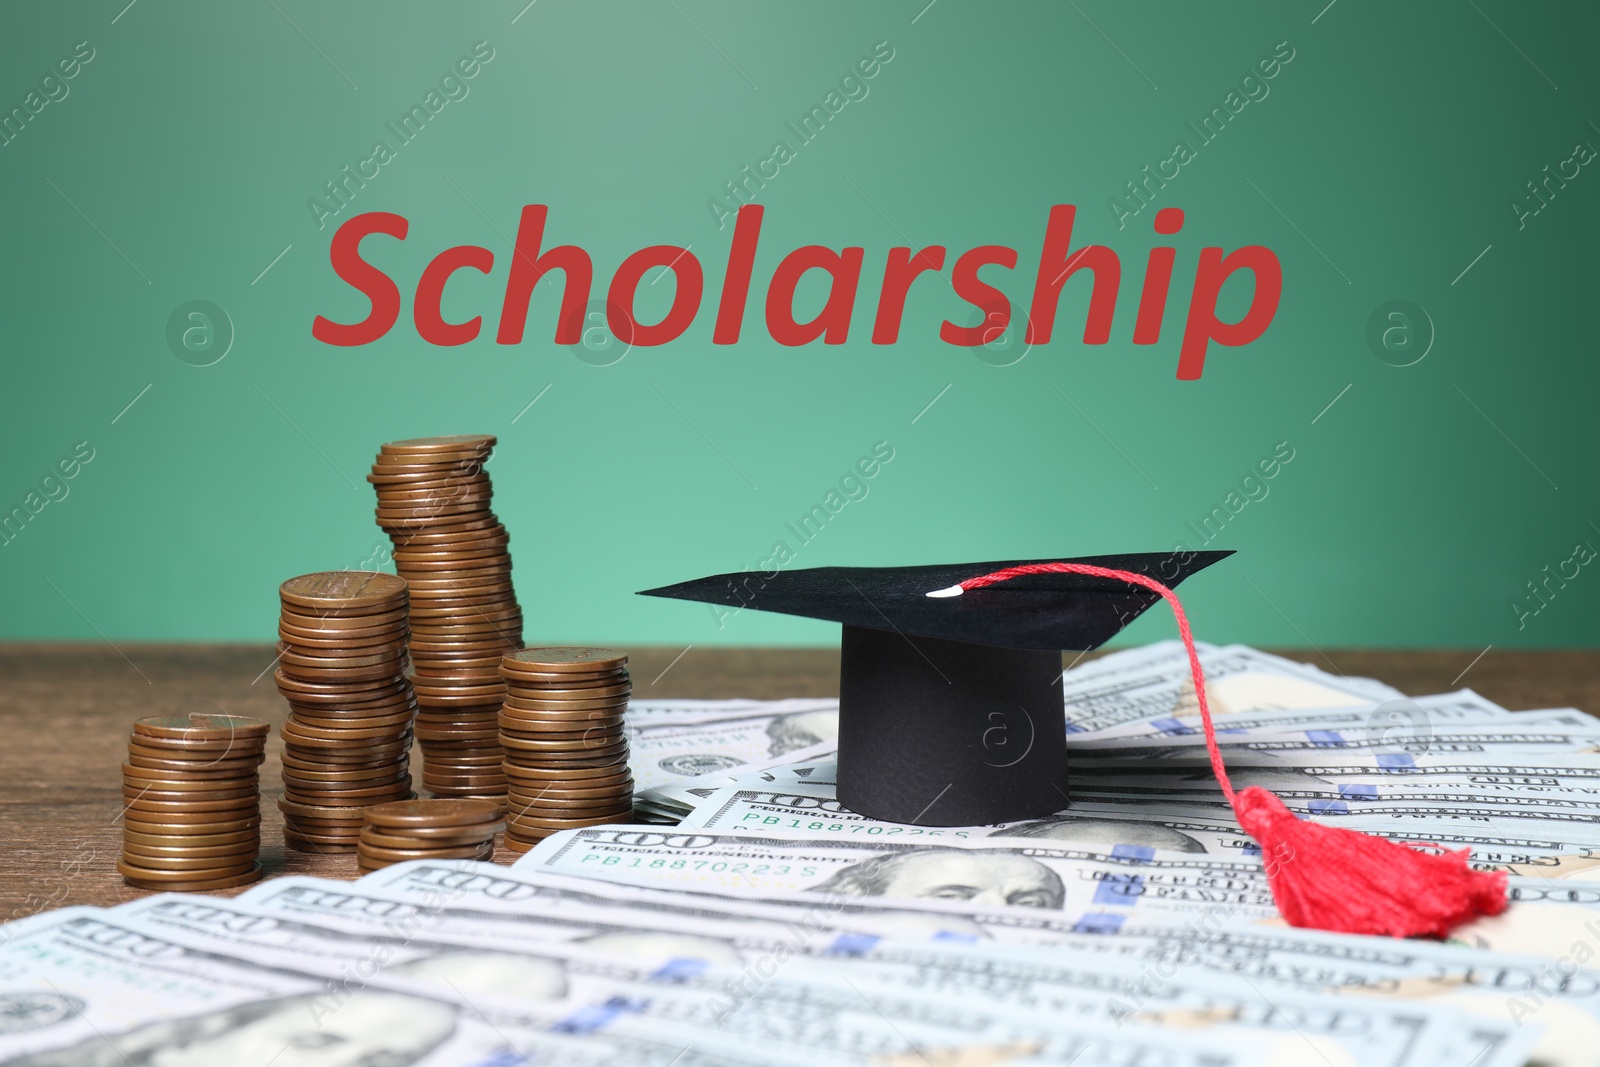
[{"x": 65, "y": 711}]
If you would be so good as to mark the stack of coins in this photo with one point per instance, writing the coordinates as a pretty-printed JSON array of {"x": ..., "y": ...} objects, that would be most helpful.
[
  {"x": 561, "y": 728},
  {"x": 192, "y": 802},
  {"x": 433, "y": 501},
  {"x": 428, "y": 830},
  {"x": 347, "y": 742}
]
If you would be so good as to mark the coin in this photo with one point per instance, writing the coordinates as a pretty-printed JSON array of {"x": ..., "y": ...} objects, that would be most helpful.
[
  {"x": 207, "y": 854},
  {"x": 190, "y": 840},
  {"x": 157, "y": 763},
  {"x": 560, "y": 660},
  {"x": 343, "y": 590},
  {"x": 400, "y": 855},
  {"x": 521, "y": 823},
  {"x": 574, "y": 772},
  {"x": 197, "y": 726},
  {"x": 162, "y": 881},
  {"x": 432, "y": 813},
  {"x": 237, "y": 807},
  {"x": 173, "y": 828}
]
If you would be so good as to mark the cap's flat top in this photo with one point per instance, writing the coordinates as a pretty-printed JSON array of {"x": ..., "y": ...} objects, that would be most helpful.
[{"x": 1061, "y": 611}]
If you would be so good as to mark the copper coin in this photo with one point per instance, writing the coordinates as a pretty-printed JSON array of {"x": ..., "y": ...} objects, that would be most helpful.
[
  {"x": 294, "y": 810},
  {"x": 477, "y": 830},
  {"x": 151, "y": 763},
  {"x": 368, "y": 839},
  {"x": 316, "y": 847},
  {"x": 568, "y": 808},
  {"x": 139, "y": 880},
  {"x": 333, "y": 759},
  {"x": 166, "y": 828},
  {"x": 399, "y": 719},
  {"x": 212, "y": 853},
  {"x": 552, "y": 695},
  {"x": 599, "y": 769},
  {"x": 464, "y": 781},
  {"x": 355, "y": 625},
  {"x": 550, "y": 660},
  {"x": 515, "y": 823},
  {"x": 194, "y": 866},
  {"x": 378, "y": 794},
  {"x": 455, "y": 533},
  {"x": 202, "y": 751},
  {"x": 560, "y": 750},
  {"x": 601, "y": 680},
  {"x": 312, "y": 691},
  {"x": 400, "y": 855},
  {"x": 190, "y": 840},
  {"x": 438, "y": 667},
  {"x": 525, "y": 703},
  {"x": 215, "y": 810},
  {"x": 355, "y": 659},
  {"x": 468, "y": 625},
  {"x": 351, "y": 741},
  {"x": 517, "y": 844},
  {"x": 179, "y": 791},
  {"x": 621, "y": 791},
  {"x": 570, "y": 719},
  {"x": 324, "y": 773},
  {"x": 334, "y": 784},
  {"x": 432, "y": 813},
  {"x": 429, "y": 445},
  {"x": 196, "y": 726},
  {"x": 191, "y": 774},
  {"x": 390, "y": 476},
  {"x": 483, "y": 548},
  {"x": 344, "y": 590},
  {"x": 573, "y": 788},
  {"x": 301, "y": 731}
]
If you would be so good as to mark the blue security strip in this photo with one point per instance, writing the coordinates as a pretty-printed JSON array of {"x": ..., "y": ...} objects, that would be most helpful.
[
  {"x": 1121, "y": 889},
  {"x": 1099, "y": 923},
  {"x": 1359, "y": 792},
  {"x": 681, "y": 969},
  {"x": 597, "y": 1016},
  {"x": 1397, "y": 761},
  {"x": 1329, "y": 807},
  {"x": 1171, "y": 727},
  {"x": 1252, "y": 849},
  {"x": 1074, "y": 728},
  {"x": 1137, "y": 853},
  {"x": 852, "y": 944},
  {"x": 1325, "y": 738},
  {"x": 959, "y": 939}
]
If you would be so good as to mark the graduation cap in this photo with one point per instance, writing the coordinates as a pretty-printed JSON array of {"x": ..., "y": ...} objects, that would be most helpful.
[
  {"x": 937, "y": 659},
  {"x": 950, "y": 706}
]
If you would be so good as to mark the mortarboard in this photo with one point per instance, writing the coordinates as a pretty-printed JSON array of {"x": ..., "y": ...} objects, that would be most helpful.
[{"x": 950, "y": 707}]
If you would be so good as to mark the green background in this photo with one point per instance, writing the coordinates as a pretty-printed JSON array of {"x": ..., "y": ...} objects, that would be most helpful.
[{"x": 1383, "y": 161}]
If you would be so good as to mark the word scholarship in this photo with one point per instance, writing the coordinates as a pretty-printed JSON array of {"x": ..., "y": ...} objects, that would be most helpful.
[{"x": 1058, "y": 263}]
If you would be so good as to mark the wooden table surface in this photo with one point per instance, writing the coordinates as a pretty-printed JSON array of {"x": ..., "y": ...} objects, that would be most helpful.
[{"x": 65, "y": 712}]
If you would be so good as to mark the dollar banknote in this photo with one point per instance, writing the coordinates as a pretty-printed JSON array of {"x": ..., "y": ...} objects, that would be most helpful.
[
  {"x": 1101, "y": 888},
  {"x": 856, "y": 1021},
  {"x": 1107, "y": 993},
  {"x": 1147, "y": 686},
  {"x": 83, "y": 987}
]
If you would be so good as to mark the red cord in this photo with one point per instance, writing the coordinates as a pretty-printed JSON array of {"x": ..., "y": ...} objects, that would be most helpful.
[
  {"x": 1322, "y": 877},
  {"x": 1183, "y": 631}
]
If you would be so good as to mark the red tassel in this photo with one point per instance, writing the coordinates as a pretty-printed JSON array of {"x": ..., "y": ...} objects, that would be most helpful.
[
  {"x": 1323, "y": 877},
  {"x": 1331, "y": 878}
]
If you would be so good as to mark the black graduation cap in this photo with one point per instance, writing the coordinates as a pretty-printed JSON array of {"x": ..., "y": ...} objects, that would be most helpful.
[{"x": 950, "y": 707}]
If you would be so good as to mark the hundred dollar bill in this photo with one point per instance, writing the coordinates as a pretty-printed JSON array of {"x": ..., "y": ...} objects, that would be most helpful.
[
  {"x": 1537, "y": 847},
  {"x": 1400, "y": 720},
  {"x": 1017, "y": 874},
  {"x": 83, "y": 987},
  {"x": 813, "y": 924},
  {"x": 676, "y": 747},
  {"x": 1153, "y": 684},
  {"x": 1103, "y": 992}
]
